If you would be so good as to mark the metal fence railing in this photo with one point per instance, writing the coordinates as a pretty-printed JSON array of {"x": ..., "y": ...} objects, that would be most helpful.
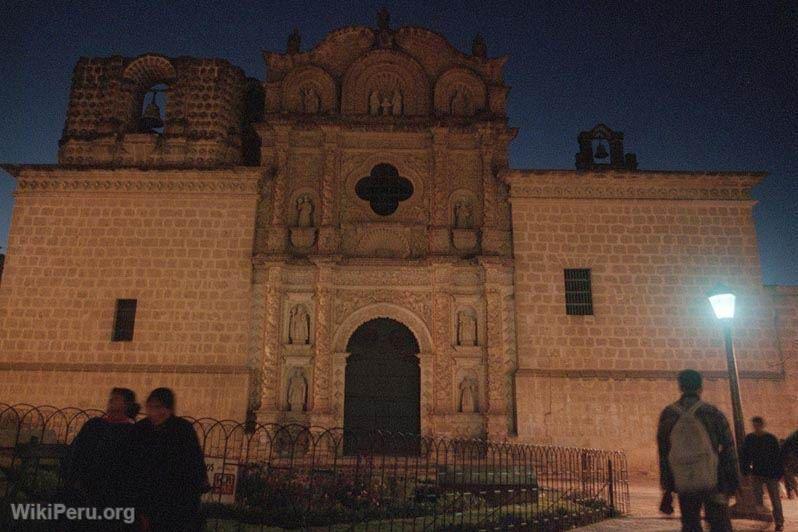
[{"x": 291, "y": 476}]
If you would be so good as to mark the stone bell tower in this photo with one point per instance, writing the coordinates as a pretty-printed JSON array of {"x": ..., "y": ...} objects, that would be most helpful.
[{"x": 381, "y": 217}]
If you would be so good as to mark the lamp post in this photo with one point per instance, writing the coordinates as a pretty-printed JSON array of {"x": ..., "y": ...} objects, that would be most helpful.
[{"x": 723, "y": 303}]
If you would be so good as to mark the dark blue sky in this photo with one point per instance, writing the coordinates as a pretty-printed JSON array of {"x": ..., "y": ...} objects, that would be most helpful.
[{"x": 710, "y": 86}]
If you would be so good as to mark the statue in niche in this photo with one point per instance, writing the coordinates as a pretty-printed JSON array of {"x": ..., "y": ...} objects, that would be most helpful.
[
  {"x": 304, "y": 207},
  {"x": 297, "y": 391},
  {"x": 374, "y": 103},
  {"x": 466, "y": 329},
  {"x": 396, "y": 103},
  {"x": 299, "y": 326},
  {"x": 310, "y": 101},
  {"x": 386, "y": 106},
  {"x": 460, "y": 104},
  {"x": 468, "y": 395},
  {"x": 294, "y": 41},
  {"x": 462, "y": 215}
]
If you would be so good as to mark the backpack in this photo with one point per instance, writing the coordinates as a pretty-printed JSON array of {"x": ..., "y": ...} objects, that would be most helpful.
[{"x": 693, "y": 460}]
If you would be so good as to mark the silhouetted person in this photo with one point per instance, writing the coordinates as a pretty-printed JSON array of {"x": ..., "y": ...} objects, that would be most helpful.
[
  {"x": 696, "y": 457},
  {"x": 173, "y": 474},
  {"x": 760, "y": 457},
  {"x": 789, "y": 457},
  {"x": 102, "y": 458}
]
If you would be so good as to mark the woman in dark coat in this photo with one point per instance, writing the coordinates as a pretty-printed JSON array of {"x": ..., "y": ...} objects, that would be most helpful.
[
  {"x": 173, "y": 474},
  {"x": 101, "y": 466}
]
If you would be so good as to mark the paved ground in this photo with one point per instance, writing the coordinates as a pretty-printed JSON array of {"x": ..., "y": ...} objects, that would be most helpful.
[{"x": 646, "y": 517}]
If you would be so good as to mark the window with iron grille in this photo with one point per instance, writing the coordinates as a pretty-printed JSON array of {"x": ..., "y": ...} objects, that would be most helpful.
[
  {"x": 124, "y": 320},
  {"x": 578, "y": 292}
]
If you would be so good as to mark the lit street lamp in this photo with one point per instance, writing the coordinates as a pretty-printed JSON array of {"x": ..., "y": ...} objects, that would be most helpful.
[{"x": 723, "y": 302}]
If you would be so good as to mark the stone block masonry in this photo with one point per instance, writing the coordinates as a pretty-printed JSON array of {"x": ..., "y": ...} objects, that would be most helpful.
[
  {"x": 655, "y": 244},
  {"x": 179, "y": 242}
]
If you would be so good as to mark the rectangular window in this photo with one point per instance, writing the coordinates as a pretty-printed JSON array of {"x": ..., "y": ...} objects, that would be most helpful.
[
  {"x": 124, "y": 320},
  {"x": 578, "y": 292}
]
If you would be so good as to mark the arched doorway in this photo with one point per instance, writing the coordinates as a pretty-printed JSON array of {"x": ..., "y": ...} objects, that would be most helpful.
[{"x": 382, "y": 382}]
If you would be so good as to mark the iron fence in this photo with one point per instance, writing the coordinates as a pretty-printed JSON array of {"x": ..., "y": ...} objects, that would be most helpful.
[{"x": 297, "y": 477}]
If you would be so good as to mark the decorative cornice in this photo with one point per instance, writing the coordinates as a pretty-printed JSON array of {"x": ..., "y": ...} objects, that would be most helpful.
[
  {"x": 653, "y": 374},
  {"x": 655, "y": 185},
  {"x": 59, "y": 179},
  {"x": 100, "y": 367}
]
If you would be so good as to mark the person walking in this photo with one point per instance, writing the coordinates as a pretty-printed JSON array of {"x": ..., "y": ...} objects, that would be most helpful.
[
  {"x": 760, "y": 457},
  {"x": 697, "y": 459},
  {"x": 173, "y": 473},
  {"x": 101, "y": 465}
]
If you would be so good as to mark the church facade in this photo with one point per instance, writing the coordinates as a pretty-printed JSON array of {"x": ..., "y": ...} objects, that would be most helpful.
[{"x": 344, "y": 244}]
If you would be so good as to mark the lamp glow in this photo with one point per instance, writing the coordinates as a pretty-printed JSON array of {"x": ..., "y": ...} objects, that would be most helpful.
[{"x": 722, "y": 300}]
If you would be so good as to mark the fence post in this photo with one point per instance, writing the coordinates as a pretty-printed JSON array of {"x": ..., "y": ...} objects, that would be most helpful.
[{"x": 611, "y": 479}]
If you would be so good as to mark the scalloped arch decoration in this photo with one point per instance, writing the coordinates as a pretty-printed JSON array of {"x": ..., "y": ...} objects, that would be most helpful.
[
  {"x": 383, "y": 310},
  {"x": 385, "y": 71},
  {"x": 305, "y": 77},
  {"x": 149, "y": 69},
  {"x": 469, "y": 85}
]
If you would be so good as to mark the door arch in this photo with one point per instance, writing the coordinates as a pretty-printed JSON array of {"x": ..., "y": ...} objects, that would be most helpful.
[{"x": 382, "y": 383}]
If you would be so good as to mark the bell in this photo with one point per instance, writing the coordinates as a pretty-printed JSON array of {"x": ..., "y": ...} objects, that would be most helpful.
[
  {"x": 151, "y": 118},
  {"x": 601, "y": 152}
]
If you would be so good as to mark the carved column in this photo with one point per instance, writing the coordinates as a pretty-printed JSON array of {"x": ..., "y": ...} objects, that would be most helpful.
[
  {"x": 441, "y": 336},
  {"x": 439, "y": 198},
  {"x": 279, "y": 234},
  {"x": 271, "y": 346},
  {"x": 328, "y": 242},
  {"x": 322, "y": 371},
  {"x": 488, "y": 179},
  {"x": 256, "y": 338},
  {"x": 500, "y": 333}
]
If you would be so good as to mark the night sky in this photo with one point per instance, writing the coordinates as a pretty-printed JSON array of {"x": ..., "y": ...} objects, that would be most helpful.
[{"x": 693, "y": 87}]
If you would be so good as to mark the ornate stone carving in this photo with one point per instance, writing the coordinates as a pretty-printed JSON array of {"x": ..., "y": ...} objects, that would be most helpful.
[
  {"x": 459, "y": 92},
  {"x": 385, "y": 72}
]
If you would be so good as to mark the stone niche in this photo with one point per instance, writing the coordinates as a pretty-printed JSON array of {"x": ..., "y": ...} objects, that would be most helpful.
[
  {"x": 463, "y": 220},
  {"x": 303, "y": 219}
]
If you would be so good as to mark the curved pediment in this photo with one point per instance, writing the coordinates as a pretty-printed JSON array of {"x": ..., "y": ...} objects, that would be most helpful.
[{"x": 356, "y": 56}]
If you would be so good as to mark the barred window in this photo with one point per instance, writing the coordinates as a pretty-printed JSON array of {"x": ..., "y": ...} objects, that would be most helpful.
[
  {"x": 578, "y": 292},
  {"x": 124, "y": 320}
]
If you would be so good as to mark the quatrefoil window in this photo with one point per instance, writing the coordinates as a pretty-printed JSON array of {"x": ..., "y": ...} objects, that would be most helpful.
[{"x": 384, "y": 188}]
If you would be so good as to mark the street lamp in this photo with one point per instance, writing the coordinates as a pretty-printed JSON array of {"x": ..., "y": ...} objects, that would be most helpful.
[{"x": 723, "y": 301}]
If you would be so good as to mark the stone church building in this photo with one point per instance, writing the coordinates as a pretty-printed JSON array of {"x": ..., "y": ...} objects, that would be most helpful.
[{"x": 344, "y": 244}]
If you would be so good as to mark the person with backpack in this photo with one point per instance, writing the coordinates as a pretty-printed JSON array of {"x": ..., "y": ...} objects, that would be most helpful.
[
  {"x": 697, "y": 457},
  {"x": 760, "y": 457}
]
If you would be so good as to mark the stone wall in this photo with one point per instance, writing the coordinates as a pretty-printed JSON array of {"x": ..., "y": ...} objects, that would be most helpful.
[
  {"x": 179, "y": 242},
  {"x": 655, "y": 244}
]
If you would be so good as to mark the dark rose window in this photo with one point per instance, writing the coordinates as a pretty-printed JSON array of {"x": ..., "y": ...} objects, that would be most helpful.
[{"x": 384, "y": 188}]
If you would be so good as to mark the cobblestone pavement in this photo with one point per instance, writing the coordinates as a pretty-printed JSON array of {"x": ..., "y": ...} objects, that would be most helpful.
[{"x": 646, "y": 517}]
